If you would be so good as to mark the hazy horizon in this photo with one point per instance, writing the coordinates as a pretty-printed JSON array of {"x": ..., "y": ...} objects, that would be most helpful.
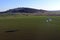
[{"x": 37, "y": 4}]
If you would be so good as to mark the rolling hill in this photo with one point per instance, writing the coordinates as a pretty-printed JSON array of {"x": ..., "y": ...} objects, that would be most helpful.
[
  {"x": 23, "y": 10},
  {"x": 32, "y": 11}
]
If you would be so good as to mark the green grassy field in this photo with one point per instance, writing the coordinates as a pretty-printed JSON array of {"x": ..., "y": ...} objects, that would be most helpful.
[{"x": 30, "y": 28}]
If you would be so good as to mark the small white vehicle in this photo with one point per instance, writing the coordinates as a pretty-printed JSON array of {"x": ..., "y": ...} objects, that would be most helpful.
[{"x": 48, "y": 20}]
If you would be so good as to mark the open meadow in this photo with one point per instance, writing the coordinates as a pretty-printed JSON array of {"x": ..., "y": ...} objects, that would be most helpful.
[{"x": 30, "y": 28}]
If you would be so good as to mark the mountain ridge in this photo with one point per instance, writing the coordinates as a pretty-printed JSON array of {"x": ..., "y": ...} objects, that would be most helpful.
[{"x": 23, "y": 10}]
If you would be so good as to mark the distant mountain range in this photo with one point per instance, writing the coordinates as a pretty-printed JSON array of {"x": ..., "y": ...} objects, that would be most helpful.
[{"x": 25, "y": 10}]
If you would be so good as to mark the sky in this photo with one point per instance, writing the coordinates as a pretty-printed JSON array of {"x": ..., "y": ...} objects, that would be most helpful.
[{"x": 37, "y": 4}]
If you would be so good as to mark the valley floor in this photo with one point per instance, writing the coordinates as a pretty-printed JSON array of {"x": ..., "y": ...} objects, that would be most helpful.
[{"x": 30, "y": 28}]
